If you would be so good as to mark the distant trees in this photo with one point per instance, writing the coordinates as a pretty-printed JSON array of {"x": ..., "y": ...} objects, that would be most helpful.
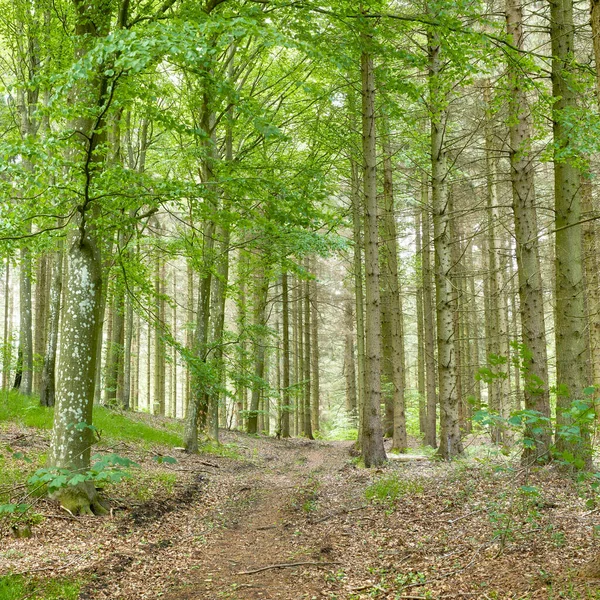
[{"x": 210, "y": 213}]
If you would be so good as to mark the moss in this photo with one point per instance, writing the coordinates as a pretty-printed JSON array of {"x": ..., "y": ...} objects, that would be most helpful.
[{"x": 81, "y": 499}]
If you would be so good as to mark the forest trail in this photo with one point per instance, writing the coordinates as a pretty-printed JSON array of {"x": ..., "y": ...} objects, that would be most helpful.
[
  {"x": 270, "y": 525},
  {"x": 217, "y": 529}
]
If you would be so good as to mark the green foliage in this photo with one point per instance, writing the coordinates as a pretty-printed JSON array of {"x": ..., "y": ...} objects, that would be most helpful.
[
  {"x": 110, "y": 424},
  {"x": 18, "y": 587},
  {"x": 389, "y": 489},
  {"x": 147, "y": 485}
]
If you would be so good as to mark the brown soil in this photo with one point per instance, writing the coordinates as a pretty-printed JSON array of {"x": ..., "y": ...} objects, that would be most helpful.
[{"x": 290, "y": 520}]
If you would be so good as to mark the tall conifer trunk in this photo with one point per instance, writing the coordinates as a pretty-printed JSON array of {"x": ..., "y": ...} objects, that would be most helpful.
[
  {"x": 450, "y": 440},
  {"x": 372, "y": 449},
  {"x": 572, "y": 341}
]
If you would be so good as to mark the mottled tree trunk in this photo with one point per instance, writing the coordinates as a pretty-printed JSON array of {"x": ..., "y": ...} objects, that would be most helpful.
[
  {"x": 70, "y": 445},
  {"x": 71, "y": 438}
]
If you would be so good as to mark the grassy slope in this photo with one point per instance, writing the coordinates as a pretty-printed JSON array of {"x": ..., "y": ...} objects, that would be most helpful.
[{"x": 112, "y": 425}]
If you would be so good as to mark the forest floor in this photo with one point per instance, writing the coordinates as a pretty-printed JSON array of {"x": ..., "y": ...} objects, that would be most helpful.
[{"x": 292, "y": 519}]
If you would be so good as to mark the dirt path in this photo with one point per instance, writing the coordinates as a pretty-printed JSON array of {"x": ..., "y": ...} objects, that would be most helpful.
[
  {"x": 462, "y": 530},
  {"x": 269, "y": 524}
]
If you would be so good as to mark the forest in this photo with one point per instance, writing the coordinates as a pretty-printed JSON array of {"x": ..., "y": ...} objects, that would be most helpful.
[{"x": 299, "y": 299}]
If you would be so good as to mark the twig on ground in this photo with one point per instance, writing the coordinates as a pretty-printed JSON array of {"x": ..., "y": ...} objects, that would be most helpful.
[
  {"x": 286, "y": 565},
  {"x": 339, "y": 512}
]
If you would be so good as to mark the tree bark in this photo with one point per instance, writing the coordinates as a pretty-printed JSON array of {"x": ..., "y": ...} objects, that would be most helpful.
[
  {"x": 285, "y": 407},
  {"x": 450, "y": 440},
  {"x": 572, "y": 342},
  {"x": 373, "y": 452},
  {"x": 429, "y": 325},
  {"x": 48, "y": 385}
]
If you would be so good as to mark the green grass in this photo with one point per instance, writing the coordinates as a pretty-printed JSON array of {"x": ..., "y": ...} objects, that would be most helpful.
[
  {"x": 16, "y": 588},
  {"x": 387, "y": 490},
  {"x": 111, "y": 424}
]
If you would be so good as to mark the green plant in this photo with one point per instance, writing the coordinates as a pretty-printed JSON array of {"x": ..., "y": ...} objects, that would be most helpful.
[
  {"x": 16, "y": 587},
  {"x": 387, "y": 490}
]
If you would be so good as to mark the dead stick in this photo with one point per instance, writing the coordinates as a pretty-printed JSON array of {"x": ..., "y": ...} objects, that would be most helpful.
[
  {"x": 284, "y": 565},
  {"x": 340, "y": 512}
]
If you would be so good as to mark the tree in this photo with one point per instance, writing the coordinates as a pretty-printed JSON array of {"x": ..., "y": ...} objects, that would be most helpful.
[
  {"x": 373, "y": 452},
  {"x": 572, "y": 342}
]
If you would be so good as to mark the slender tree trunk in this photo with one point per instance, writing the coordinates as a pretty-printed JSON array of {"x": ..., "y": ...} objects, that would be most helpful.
[
  {"x": 349, "y": 366},
  {"x": 420, "y": 327},
  {"x": 498, "y": 357},
  {"x": 429, "y": 324},
  {"x": 301, "y": 358},
  {"x": 6, "y": 337},
  {"x": 450, "y": 441},
  {"x": 285, "y": 408},
  {"x": 261, "y": 289},
  {"x": 373, "y": 452},
  {"x": 315, "y": 379},
  {"x": 42, "y": 299},
  {"x": 389, "y": 249},
  {"x": 48, "y": 385},
  {"x": 358, "y": 292},
  {"x": 308, "y": 431},
  {"x": 26, "y": 323},
  {"x": 125, "y": 397}
]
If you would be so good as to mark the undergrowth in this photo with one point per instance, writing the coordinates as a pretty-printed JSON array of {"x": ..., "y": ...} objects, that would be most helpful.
[
  {"x": 16, "y": 587},
  {"x": 390, "y": 488},
  {"x": 111, "y": 424}
]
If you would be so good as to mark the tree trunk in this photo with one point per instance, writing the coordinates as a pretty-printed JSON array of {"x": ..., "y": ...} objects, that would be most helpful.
[
  {"x": 285, "y": 405},
  {"x": 7, "y": 334},
  {"x": 373, "y": 452},
  {"x": 389, "y": 249},
  {"x": 450, "y": 441},
  {"x": 261, "y": 289},
  {"x": 70, "y": 446},
  {"x": 48, "y": 386},
  {"x": 420, "y": 327},
  {"x": 498, "y": 346},
  {"x": 572, "y": 347},
  {"x": 42, "y": 301},
  {"x": 429, "y": 324},
  {"x": 349, "y": 366},
  {"x": 315, "y": 380},
  {"x": 308, "y": 431},
  {"x": 358, "y": 292}
]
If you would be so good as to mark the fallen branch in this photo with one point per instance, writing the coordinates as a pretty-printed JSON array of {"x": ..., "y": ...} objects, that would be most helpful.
[
  {"x": 340, "y": 512},
  {"x": 286, "y": 565}
]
